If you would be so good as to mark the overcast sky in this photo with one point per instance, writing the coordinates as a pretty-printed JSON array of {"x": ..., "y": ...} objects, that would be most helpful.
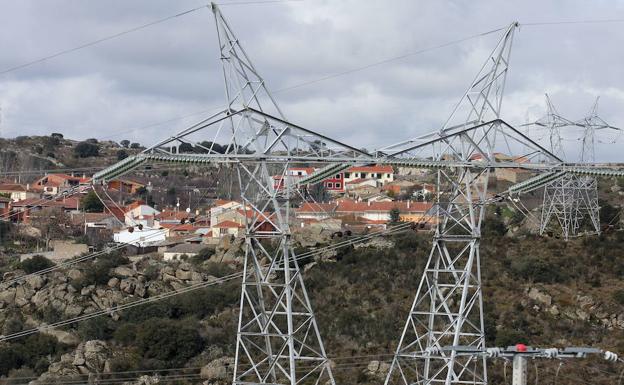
[{"x": 121, "y": 88}]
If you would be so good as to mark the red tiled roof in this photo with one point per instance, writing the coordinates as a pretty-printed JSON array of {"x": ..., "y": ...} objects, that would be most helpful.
[
  {"x": 134, "y": 205},
  {"x": 111, "y": 208},
  {"x": 178, "y": 226},
  {"x": 313, "y": 207},
  {"x": 173, "y": 215},
  {"x": 308, "y": 170},
  {"x": 377, "y": 168},
  {"x": 67, "y": 203},
  {"x": 12, "y": 187},
  {"x": 228, "y": 225},
  {"x": 221, "y": 202}
]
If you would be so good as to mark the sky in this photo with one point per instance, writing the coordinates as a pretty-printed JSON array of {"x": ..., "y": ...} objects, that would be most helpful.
[{"x": 146, "y": 85}]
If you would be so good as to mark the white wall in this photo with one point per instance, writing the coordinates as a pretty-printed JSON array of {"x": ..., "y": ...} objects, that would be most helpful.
[{"x": 141, "y": 238}]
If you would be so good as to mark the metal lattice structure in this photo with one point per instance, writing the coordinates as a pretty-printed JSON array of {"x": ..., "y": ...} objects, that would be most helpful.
[
  {"x": 448, "y": 307},
  {"x": 560, "y": 201},
  {"x": 278, "y": 339},
  {"x": 572, "y": 200}
]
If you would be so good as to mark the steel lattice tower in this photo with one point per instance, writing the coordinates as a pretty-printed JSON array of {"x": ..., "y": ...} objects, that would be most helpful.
[
  {"x": 572, "y": 199},
  {"x": 561, "y": 194},
  {"x": 448, "y": 308},
  {"x": 278, "y": 340}
]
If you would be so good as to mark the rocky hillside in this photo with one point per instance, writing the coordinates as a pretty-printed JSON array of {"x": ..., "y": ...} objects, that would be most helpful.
[
  {"x": 26, "y": 153},
  {"x": 539, "y": 291}
]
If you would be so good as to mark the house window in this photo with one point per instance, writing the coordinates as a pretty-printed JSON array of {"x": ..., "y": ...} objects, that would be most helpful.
[
  {"x": 337, "y": 176},
  {"x": 338, "y": 185},
  {"x": 363, "y": 175},
  {"x": 330, "y": 185},
  {"x": 347, "y": 174},
  {"x": 299, "y": 173}
]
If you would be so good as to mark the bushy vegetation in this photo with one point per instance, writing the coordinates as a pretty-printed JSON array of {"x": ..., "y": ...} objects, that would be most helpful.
[
  {"x": 99, "y": 271},
  {"x": 91, "y": 203},
  {"x": 30, "y": 352},
  {"x": 86, "y": 150},
  {"x": 36, "y": 263}
]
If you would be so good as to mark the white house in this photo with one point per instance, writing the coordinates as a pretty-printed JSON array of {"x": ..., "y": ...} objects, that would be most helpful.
[
  {"x": 139, "y": 213},
  {"x": 141, "y": 238},
  {"x": 381, "y": 173},
  {"x": 227, "y": 228},
  {"x": 224, "y": 210}
]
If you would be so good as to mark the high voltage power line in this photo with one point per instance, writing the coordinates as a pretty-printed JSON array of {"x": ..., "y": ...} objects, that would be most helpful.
[{"x": 128, "y": 31}]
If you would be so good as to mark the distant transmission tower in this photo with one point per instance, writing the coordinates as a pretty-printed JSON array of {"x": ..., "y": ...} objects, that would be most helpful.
[
  {"x": 560, "y": 195},
  {"x": 572, "y": 199}
]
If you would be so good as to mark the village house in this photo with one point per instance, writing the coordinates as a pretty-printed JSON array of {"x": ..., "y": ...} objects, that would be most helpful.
[
  {"x": 23, "y": 209},
  {"x": 359, "y": 183},
  {"x": 293, "y": 174},
  {"x": 145, "y": 237},
  {"x": 54, "y": 184},
  {"x": 17, "y": 192},
  {"x": 223, "y": 210},
  {"x": 95, "y": 220},
  {"x": 354, "y": 177},
  {"x": 138, "y": 213},
  {"x": 367, "y": 211},
  {"x": 226, "y": 228},
  {"x": 513, "y": 175},
  {"x": 127, "y": 186},
  {"x": 181, "y": 229},
  {"x": 358, "y": 176},
  {"x": 398, "y": 187}
]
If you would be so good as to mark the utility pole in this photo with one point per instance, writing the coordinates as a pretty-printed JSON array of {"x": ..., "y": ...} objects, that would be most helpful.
[
  {"x": 519, "y": 376},
  {"x": 520, "y": 353}
]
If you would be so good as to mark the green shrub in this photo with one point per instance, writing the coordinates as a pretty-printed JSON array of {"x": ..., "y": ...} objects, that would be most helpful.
[
  {"x": 98, "y": 328},
  {"x": 537, "y": 269},
  {"x": 126, "y": 333},
  {"x": 36, "y": 263},
  {"x": 99, "y": 271},
  {"x": 169, "y": 341},
  {"x": 202, "y": 256},
  {"x": 86, "y": 150},
  {"x": 618, "y": 296}
]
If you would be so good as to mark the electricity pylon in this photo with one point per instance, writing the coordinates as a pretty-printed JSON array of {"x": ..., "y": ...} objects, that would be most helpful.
[
  {"x": 572, "y": 199},
  {"x": 560, "y": 195},
  {"x": 448, "y": 307},
  {"x": 278, "y": 339}
]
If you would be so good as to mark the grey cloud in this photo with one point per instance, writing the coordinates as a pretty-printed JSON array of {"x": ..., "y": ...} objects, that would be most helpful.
[{"x": 172, "y": 69}]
